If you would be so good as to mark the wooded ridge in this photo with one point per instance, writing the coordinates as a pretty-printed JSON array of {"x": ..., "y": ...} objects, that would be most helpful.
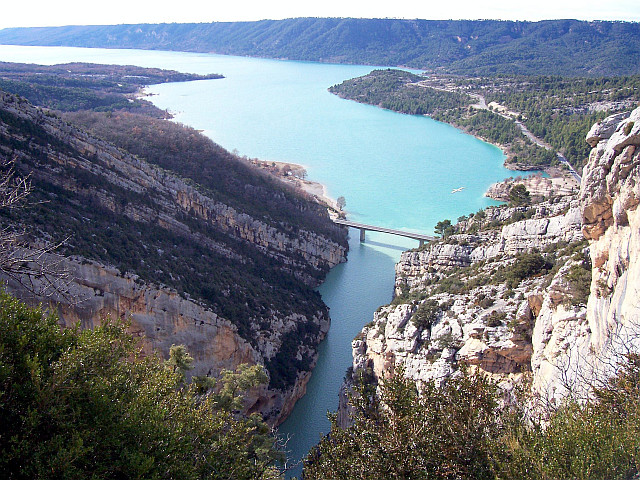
[{"x": 567, "y": 47}]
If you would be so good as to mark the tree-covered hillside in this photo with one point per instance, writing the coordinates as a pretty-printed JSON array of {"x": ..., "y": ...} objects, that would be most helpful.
[
  {"x": 88, "y": 86},
  {"x": 558, "y": 110},
  {"x": 568, "y": 47}
]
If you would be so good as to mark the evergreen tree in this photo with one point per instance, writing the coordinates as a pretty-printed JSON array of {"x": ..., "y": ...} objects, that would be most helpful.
[{"x": 519, "y": 195}]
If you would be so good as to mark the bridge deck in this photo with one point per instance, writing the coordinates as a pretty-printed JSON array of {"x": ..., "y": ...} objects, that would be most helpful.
[{"x": 363, "y": 227}]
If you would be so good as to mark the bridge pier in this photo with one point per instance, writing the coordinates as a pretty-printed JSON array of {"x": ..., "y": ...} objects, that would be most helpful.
[
  {"x": 362, "y": 230},
  {"x": 421, "y": 242}
]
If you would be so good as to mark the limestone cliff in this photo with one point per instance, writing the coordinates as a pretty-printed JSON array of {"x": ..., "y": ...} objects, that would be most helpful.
[
  {"x": 559, "y": 183},
  {"x": 552, "y": 289},
  {"x": 575, "y": 355},
  {"x": 160, "y": 318},
  {"x": 145, "y": 245},
  {"x": 457, "y": 299}
]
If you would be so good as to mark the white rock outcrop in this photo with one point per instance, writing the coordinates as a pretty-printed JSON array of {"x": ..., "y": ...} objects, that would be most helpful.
[
  {"x": 541, "y": 324},
  {"x": 577, "y": 352}
]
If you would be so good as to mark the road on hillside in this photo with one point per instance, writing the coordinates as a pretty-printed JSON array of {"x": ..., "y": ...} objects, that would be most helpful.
[
  {"x": 482, "y": 105},
  {"x": 543, "y": 144}
]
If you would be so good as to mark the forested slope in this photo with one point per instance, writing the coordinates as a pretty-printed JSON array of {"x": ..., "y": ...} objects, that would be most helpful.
[
  {"x": 558, "y": 110},
  {"x": 568, "y": 47},
  {"x": 86, "y": 86},
  {"x": 162, "y": 226}
]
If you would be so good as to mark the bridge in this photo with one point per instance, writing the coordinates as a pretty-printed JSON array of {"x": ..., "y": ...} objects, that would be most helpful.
[{"x": 363, "y": 228}]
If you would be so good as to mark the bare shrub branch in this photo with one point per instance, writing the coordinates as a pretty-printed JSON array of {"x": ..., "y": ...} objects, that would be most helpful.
[{"x": 32, "y": 266}]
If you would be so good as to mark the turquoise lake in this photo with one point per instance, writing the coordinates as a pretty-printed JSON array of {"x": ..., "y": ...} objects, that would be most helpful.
[{"x": 394, "y": 170}]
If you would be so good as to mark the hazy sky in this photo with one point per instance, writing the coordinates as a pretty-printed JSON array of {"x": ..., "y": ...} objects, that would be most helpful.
[{"x": 26, "y": 13}]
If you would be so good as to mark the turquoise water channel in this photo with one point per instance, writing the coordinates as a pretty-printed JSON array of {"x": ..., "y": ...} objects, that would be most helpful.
[{"x": 394, "y": 170}]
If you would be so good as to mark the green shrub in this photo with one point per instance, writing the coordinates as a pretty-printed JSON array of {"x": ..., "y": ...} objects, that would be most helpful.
[
  {"x": 451, "y": 284},
  {"x": 443, "y": 432},
  {"x": 426, "y": 314},
  {"x": 519, "y": 195},
  {"x": 86, "y": 404},
  {"x": 526, "y": 265},
  {"x": 484, "y": 301},
  {"x": 628, "y": 127},
  {"x": 579, "y": 279},
  {"x": 448, "y": 340},
  {"x": 456, "y": 430},
  {"x": 599, "y": 438},
  {"x": 495, "y": 319}
]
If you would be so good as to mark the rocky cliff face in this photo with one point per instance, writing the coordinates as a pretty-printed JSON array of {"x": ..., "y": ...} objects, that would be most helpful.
[
  {"x": 160, "y": 318},
  {"x": 555, "y": 293},
  {"x": 539, "y": 187},
  {"x": 239, "y": 286},
  {"x": 579, "y": 354},
  {"x": 456, "y": 300},
  {"x": 171, "y": 195}
]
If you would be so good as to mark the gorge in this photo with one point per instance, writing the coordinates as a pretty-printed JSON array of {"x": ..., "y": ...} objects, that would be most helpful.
[
  {"x": 508, "y": 292},
  {"x": 387, "y": 154}
]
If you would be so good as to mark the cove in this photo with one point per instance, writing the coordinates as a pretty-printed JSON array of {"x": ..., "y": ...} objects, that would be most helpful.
[{"x": 394, "y": 170}]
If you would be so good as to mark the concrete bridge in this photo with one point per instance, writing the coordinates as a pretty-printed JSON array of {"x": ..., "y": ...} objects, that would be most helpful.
[{"x": 363, "y": 228}]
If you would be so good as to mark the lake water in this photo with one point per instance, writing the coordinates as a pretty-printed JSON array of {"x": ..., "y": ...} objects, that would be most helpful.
[{"x": 394, "y": 170}]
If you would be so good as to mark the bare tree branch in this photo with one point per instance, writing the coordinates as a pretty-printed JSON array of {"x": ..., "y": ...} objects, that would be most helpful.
[
  {"x": 30, "y": 265},
  {"x": 13, "y": 190}
]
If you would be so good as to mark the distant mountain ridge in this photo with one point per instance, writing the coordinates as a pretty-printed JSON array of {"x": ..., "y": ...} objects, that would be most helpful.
[{"x": 551, "y": 47}]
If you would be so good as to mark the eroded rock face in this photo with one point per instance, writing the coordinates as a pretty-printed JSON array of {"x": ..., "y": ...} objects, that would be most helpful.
[
  {"x": 568, "y": 331},
  {"x": 580, "y": 351},
  {"x": 610, "y": 186},
  {"x": 160, "y": 318},
  {"x": 478, "y": 319},
  {"x": 538, "y": 187},
  {"x": 415, "y": 266}
]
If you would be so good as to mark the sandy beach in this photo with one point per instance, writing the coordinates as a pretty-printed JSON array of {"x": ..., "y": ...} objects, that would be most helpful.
[{"x": 295, "y": 175}]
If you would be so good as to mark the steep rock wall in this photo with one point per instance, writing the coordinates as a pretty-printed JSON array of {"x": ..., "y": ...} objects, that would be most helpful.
[
  {"x": 160, "y": 318},
  {"x": 298, "y": 250},
  {"x": 575, "y": 354},
  {"x": 453, "y": 302},
  {"x": 569, "y": 325}
]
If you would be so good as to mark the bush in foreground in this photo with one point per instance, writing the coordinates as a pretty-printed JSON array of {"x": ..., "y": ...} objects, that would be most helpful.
[
  {"x": 441, "y": 432},
  {"x": 86, "y": 404},
  {"x": 459, "y": 431}
]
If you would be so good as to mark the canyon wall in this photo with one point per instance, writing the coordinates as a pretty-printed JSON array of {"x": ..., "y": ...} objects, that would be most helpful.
[
  {"x": 187, "y": 268},
  {"x": 547, "y": 293},
  {"x": 577, "y": 355}
]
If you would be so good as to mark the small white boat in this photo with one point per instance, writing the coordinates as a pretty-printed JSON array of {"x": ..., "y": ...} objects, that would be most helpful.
[{"x": 456, "y": 190}]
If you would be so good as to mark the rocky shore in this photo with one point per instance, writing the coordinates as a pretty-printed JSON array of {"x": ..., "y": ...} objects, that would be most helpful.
[{"x": 557, "y": 183}]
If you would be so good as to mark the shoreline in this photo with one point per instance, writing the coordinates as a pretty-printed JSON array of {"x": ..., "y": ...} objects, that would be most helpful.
[
  {"x": 558, "y": 183},
  {"x": 294, "y": 174},
  {"x": 555, "y": 172}
]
